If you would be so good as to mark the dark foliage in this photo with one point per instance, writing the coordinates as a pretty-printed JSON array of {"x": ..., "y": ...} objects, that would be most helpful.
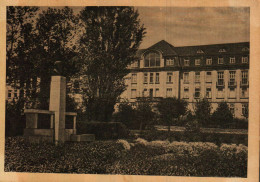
[
  {"x": 202, "y": 111},
  {"x": 222, "y": 116},
  {"x": 103, "y": 130},
  {"x": 14, "y": 120}
]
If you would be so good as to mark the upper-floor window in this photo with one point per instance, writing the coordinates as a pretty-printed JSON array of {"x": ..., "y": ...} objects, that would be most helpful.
[
  {"x": 220, "y": 60},
  {"x": 222, "y": 50},
  {"x": 186, "y": 78},
  {"x": 134, "y": 78},
  {"x": 145, "y": 77},
  {"x": 186, "y": 62},
  {"x": 197, "y": 77},
  {"x": 152, "y": 59},
  {"x": 209, "y": 61},
  {"x": 232, "y": 60},
  {"x": 169, "y": 62},
  {"x": 157, "y": 78},
  {"x": 197, "y": 62},
  {"x": 151, "y": 77},
  {"x": 15, "y": 94},
  {"x": 244, "y": 75},
  {"x": 208, "y": 77},
  {"x": 169, "y": 77},
  {"x": 232, "y": 77},
  {"x": 220, "y": 78},
  {"x": 244, "y": 59}
]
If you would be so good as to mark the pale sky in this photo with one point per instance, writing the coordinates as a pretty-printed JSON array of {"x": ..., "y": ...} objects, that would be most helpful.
[
  {"x": 195, "y": 26},
  {"x": 182, "y": 26}
]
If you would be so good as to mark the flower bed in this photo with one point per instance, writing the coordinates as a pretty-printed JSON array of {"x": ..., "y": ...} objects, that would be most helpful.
[{"x": 120, "y": 157}]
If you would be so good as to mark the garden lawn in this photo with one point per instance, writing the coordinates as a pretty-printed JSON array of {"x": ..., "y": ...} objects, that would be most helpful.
[{"x": 120, "y": 157}]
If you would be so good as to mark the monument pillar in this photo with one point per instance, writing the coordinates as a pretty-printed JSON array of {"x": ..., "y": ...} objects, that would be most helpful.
[{"x": 58, "y": 105}]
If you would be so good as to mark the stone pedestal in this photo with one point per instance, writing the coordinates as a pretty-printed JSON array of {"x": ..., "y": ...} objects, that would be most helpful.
[{"x": 58, "y": 105}]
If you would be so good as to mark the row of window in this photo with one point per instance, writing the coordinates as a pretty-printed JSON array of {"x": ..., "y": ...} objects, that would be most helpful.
[
  {"x": 153, "y": 61},
  {"x": 220, "y": 77},
  {"x": 197, "y": 94}
]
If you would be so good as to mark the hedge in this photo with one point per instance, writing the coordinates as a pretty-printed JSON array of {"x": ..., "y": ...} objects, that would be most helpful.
[
  {"x": 217, "y": 138},
  {"x": 103, "y": 130}
]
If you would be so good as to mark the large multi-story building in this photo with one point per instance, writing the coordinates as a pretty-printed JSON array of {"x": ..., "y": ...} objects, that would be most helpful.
[{"x": 217, "y": 72}]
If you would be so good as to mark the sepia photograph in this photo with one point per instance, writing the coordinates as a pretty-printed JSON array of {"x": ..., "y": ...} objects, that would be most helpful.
[{"x": 127, "y": 90}]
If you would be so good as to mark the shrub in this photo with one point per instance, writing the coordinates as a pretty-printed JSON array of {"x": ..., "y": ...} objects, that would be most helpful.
[
  {"x": 103, "y": 130},
  {"x": 222, "y": 115}
]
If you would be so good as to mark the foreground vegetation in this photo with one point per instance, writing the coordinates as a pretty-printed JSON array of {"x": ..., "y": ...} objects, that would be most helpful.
[{"x": 120, "y": 157}]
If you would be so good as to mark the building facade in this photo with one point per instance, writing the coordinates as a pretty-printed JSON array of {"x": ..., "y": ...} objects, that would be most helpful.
[{"x": 217, "y": 72}]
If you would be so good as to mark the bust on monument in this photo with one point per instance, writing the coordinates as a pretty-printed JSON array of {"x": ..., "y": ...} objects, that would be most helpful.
[{"x": 57, "y": 68}]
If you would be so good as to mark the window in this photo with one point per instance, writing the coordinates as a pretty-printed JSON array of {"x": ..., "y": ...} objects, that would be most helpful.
[
  {"x": 9, "y": 93},
  {"x": 197, "y": 93},
  {"x": 197, "y": 62},
  {"x": 169, "y": 92},
  {"x": 232, "y": 78},
  {"x": 245, "y": 109},
  {"x": 244, "y": 92},
  {"x": 186, "y": 62},
  {"x": 169, "y": 62},
  {"x": 209, "y": 61},
  {"x": 186, "y": 77},
  {"x": 134, "y": 78},
  {"x": 133, "y": 93},
  {"x": 220, "y": 79},
  {"x": 145, "y": 77},
  {"x": 197, "y": 77},
  {"x": 232, "y": 109},
  {"x": 157, "y": 92},
  {"x": 15, "y": 94},
  {"x": 232, "y": 60},
  {"x": 208, "y": 77},
  {"x": 151, "y": 93},
  {"x": 244, "y": 59},
  {"x": 134, "y": 64},
  {"x": 232, "y": 92},
  {"x": 244, "y": 75},
  {"x": 169, "y": 77},
  {"x": 145, "y": 93},
  {"x": 157, "y": 78},
  {"x": 151, "y": 77},
  {"x": 186, "y": 93},
  {"x": 152, "y": 59},
  {"x": 220, "y": 60},
  {"x": 208, "y": 92},
  {"x": 222, "y": 50},
  {"x": 220, "y": 93}
]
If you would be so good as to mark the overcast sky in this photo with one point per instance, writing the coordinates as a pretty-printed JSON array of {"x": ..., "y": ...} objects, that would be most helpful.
[
  {"x": 183, "y": 26},
  {"x": 194, "y": 26}
]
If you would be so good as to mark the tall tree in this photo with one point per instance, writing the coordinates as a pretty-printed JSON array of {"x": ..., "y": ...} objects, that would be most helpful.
[
  {"x": 19, "y": 45},
  {"x": 203, "y": 111},
  {"x": 56, "y": 30},
  {"x": 171, "y": 109},
  {"x": 108, "y": 45},
  {"x": 222, "y": 115}
]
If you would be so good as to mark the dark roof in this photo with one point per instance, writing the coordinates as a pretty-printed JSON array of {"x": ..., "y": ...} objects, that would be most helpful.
[
  {"x": 164, "y": 47},
  {"x": 211, "y": 49}
]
